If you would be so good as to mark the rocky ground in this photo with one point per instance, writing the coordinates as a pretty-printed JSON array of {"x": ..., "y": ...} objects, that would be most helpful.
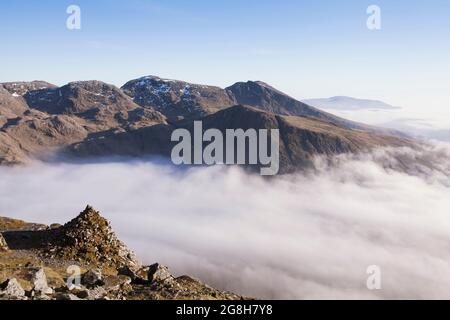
[{"x": 84, "y": 260}]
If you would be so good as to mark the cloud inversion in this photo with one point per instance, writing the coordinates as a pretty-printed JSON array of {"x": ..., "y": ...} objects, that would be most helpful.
[{"x": 310, "y": 235}]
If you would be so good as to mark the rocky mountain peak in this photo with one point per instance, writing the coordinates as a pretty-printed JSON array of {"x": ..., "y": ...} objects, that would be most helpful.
[
  {"x": 21, "y": 88},
  {"x": 178, "y": 99},
  {"x": 88, "y": 218},
  {"x": 89, "y": 238},
  {"x": 12, "y": 105},
  {"x": 103, "y": 91},
  {"x": 261, "y": 95},
  {"x": 79, "y": 97},
  {"x": 253, "y": 85}
]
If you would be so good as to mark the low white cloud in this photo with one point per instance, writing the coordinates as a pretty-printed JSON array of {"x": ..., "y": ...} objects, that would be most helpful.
[
  {"x": 423, "y": 123},
  {"x": 302, "y": 236}
]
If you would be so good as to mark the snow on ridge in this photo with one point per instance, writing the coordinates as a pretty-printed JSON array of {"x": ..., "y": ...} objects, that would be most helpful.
[{"x": 146, "y": 78}]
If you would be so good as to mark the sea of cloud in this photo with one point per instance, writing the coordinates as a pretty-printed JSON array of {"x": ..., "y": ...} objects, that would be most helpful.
[
  {"x": 423, "y": 123},
  {"x": 304, "y": 236}
]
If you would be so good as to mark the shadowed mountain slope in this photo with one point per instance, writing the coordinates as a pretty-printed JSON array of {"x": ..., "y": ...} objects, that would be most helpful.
[
  {"x": 301, "y": 139},
  {"x": 262, "y": 96}
]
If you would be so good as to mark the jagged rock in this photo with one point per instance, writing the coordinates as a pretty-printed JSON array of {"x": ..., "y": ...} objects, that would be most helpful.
[
  {"x": 92, "y": 278},
  {"x": 55, "y": 226},
  {"x": 116, "y": 283},
  {"x": 91, "y": 293},
  {"x": 97, "y": 293},
  {"x": 142, "y": 273},
  {"x": 90, "y": 239},
  {"x": 139, "y": 277},
  {"x": 82, "y": 293},
  {"x": 159, "y": 273},
  {"x": 40, "y": 284},
  {"x": 11, "y": 288},
  {"x": 3, "y": 244},
  {"x": 126, "y": 271}
]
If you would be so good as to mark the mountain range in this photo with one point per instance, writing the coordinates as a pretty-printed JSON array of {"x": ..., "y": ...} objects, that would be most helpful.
[{"x": 91, "y": 118}]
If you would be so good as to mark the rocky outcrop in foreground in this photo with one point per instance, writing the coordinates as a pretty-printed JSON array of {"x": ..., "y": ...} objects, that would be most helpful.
[
  {"x": 90, "y": 239},
  {"x": 3, "y": 244},
  {"x": 84, "y": 260}
]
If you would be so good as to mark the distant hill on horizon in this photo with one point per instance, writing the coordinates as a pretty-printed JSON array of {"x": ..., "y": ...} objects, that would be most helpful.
[{"x": 348, "y": 103}]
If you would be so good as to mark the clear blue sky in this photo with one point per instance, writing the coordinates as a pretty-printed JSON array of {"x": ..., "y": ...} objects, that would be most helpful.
[{"x": 313, "y": 48}]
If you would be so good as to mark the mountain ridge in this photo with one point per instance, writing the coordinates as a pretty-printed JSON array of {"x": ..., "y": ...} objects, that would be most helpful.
[{"x": 92, "y": 117}]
